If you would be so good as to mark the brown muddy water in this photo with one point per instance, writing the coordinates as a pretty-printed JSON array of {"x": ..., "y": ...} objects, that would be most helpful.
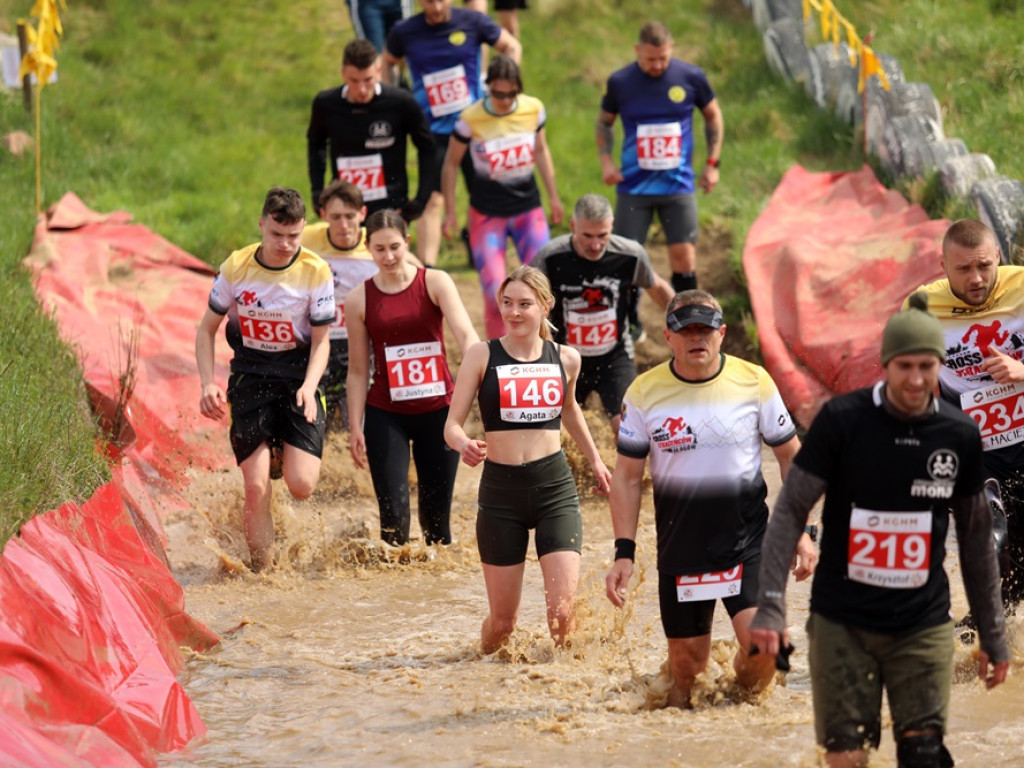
[{"x": 349, "y": 654}]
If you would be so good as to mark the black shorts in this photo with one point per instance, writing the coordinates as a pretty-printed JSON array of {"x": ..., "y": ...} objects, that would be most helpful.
[
  {"x": 610, "y": 376},
  {"x": 694, "y": 619},
  {"x": 264, "y": 409},
  {"x": 509, "y": 5},
  {"x": 440, "y": 150},
  {"x": 677, "y": 214},
  {"x": 514, "y": 499}
]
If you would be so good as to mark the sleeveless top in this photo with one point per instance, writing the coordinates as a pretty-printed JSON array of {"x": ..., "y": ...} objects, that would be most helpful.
[
  {"x": 518, "y": 395},
  {"x": 410, "y": 366}
]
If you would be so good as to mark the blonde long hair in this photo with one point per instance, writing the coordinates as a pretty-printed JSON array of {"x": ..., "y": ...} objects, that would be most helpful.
[{"x": 537, "y": 282}]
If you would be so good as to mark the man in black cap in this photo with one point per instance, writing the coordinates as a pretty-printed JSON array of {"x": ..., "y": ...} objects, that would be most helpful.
[
  {"x": 892, "y": 460},
  {"x": 701, "y": 418}
]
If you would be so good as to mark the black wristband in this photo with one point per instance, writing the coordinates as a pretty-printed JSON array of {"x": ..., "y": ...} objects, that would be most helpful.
[{"x": 625, "y": 548}]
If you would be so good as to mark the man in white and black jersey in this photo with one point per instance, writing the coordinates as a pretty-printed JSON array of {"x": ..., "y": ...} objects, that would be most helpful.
[
  {"x": 892, "y": 461},
  {"x": 701, "y": 419},
  {"x": 278, "y": 300},
  {"x": 593, "y": 274},
  {"x": 980, "y": 306}
]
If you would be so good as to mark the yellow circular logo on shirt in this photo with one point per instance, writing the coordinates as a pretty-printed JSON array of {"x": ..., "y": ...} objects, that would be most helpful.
[
  {"x": 457, "y": 38},
  {"x": 677, "y": 93}
]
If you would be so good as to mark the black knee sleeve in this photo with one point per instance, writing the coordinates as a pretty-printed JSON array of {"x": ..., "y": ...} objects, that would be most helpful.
[{"x": 923, "y": 751}]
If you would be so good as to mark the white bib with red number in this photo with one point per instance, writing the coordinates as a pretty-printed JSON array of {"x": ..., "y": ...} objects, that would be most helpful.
[
  {"x": 709, "y": 586},
  {"x": 659, "y": 146},
  {"x": 367, "y": 173},
  {"x": 338, "y": 329},
  {"x": 529, "y": 392},
  {"x": 592, "y": 333},
  {"x": 415, "y": 370},
  {"x": 447, "y": 91},
  {"x": 999, "y": 411},
  {"x": 267, "y": 330},
  {"x": 510, "y": 156},
  {"x": 889, "y": 549}
]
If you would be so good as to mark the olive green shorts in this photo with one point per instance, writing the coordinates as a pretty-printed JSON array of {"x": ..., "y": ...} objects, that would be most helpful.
[{"x": 850, "y": 667}]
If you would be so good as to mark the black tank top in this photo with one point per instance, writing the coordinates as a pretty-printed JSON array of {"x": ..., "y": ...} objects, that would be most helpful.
[{"x": 518, "y": 395}]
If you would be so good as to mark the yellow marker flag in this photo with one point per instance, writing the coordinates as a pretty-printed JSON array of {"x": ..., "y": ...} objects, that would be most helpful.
[{"x": 41, "y": 60}]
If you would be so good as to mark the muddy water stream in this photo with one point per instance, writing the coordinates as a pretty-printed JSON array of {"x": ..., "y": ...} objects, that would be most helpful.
[{"x": 345, "y": 654}]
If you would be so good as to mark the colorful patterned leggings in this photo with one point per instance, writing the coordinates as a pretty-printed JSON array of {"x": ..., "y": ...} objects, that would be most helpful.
[{"x": 488, "y": 236}]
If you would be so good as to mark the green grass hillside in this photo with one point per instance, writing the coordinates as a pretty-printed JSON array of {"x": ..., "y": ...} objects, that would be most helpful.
[{"x": 184, "y": 113}]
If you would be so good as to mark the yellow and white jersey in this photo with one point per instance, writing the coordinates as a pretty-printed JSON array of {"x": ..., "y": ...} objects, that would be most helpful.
[
  {"x": 502, "y": 148},
  {"x": 350, "y": 267},
  {"x": 271, "y": 311},
  {"x": 970, "y": 334},
  {"x": 703, "y": 440}
]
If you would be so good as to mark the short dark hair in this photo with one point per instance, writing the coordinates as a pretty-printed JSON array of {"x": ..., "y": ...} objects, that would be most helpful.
[
  {"x": 360, "y": 54},
  {"x": 968, "y": 233},
  {"x": 504, "y": 68},
  {"x": 345, "y": 191},
  {"x": 655, "y": 33},
  {"x": 284, "y": 205},
  {"x": 386, "y": 218}
]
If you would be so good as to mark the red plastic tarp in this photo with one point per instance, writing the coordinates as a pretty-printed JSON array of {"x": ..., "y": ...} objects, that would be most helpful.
[
  {"x": 91, "y": 619},
  {"x": 827, "y": 263}
]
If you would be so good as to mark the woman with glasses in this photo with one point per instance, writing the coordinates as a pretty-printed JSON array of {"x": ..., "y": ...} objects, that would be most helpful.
[{"x": 504, "y": 134}]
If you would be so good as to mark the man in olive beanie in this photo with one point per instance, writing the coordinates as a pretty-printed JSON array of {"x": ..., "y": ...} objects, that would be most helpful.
[{"x": 893, "y": 461}]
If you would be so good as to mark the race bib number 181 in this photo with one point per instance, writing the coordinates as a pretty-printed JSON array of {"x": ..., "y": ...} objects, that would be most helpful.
[{"x": 415, "y": 371}]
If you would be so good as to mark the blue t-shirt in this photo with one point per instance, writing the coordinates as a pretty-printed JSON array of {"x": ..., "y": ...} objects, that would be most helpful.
[
  {"x": 445, "y": 62},
  {"x": 657, "y": 125}
]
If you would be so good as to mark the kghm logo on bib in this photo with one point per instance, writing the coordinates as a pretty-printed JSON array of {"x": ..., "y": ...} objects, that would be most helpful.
[{"x": 677, "y": 94}]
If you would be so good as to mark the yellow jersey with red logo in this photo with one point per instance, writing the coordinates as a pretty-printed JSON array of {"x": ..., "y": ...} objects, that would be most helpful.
[
  {"x": 971, "y": 333},
  {"x": 502, "y": 148},
  {"x": 349, "y": 267},
  {"x": 703, "y": 439},
  {"x": 271, "y": 311}
]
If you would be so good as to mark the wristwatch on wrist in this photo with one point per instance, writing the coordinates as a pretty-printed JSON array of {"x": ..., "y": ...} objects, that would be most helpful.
[
  {"x": 812, "y": 531},
  {"x": 714, "y": 162}
]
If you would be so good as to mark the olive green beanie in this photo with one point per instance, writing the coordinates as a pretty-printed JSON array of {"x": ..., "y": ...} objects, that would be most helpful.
[{"x": 913, "y": 330}]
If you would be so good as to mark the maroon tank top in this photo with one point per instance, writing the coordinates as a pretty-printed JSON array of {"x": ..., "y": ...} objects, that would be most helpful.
[{"x": 410, "y": 366}]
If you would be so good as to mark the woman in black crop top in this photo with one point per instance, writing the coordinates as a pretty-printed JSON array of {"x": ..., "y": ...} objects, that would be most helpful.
[{"x": 526, "y": 387}]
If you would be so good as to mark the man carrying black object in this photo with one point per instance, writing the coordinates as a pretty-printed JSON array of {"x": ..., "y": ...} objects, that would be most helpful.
[
  {"x": 701, "y": 419},
  {"x": 892, "y": 460},
  {"x": 361, "y": 129}
]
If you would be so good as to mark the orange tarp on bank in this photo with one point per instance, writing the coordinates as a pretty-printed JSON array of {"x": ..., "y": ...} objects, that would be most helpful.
[
  {"x": 91, "y": 618},
  {"x": 828, "y": 261}
]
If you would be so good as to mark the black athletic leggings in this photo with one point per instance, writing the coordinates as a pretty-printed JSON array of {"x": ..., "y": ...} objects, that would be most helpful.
[{"x": 387, "y": 450}]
